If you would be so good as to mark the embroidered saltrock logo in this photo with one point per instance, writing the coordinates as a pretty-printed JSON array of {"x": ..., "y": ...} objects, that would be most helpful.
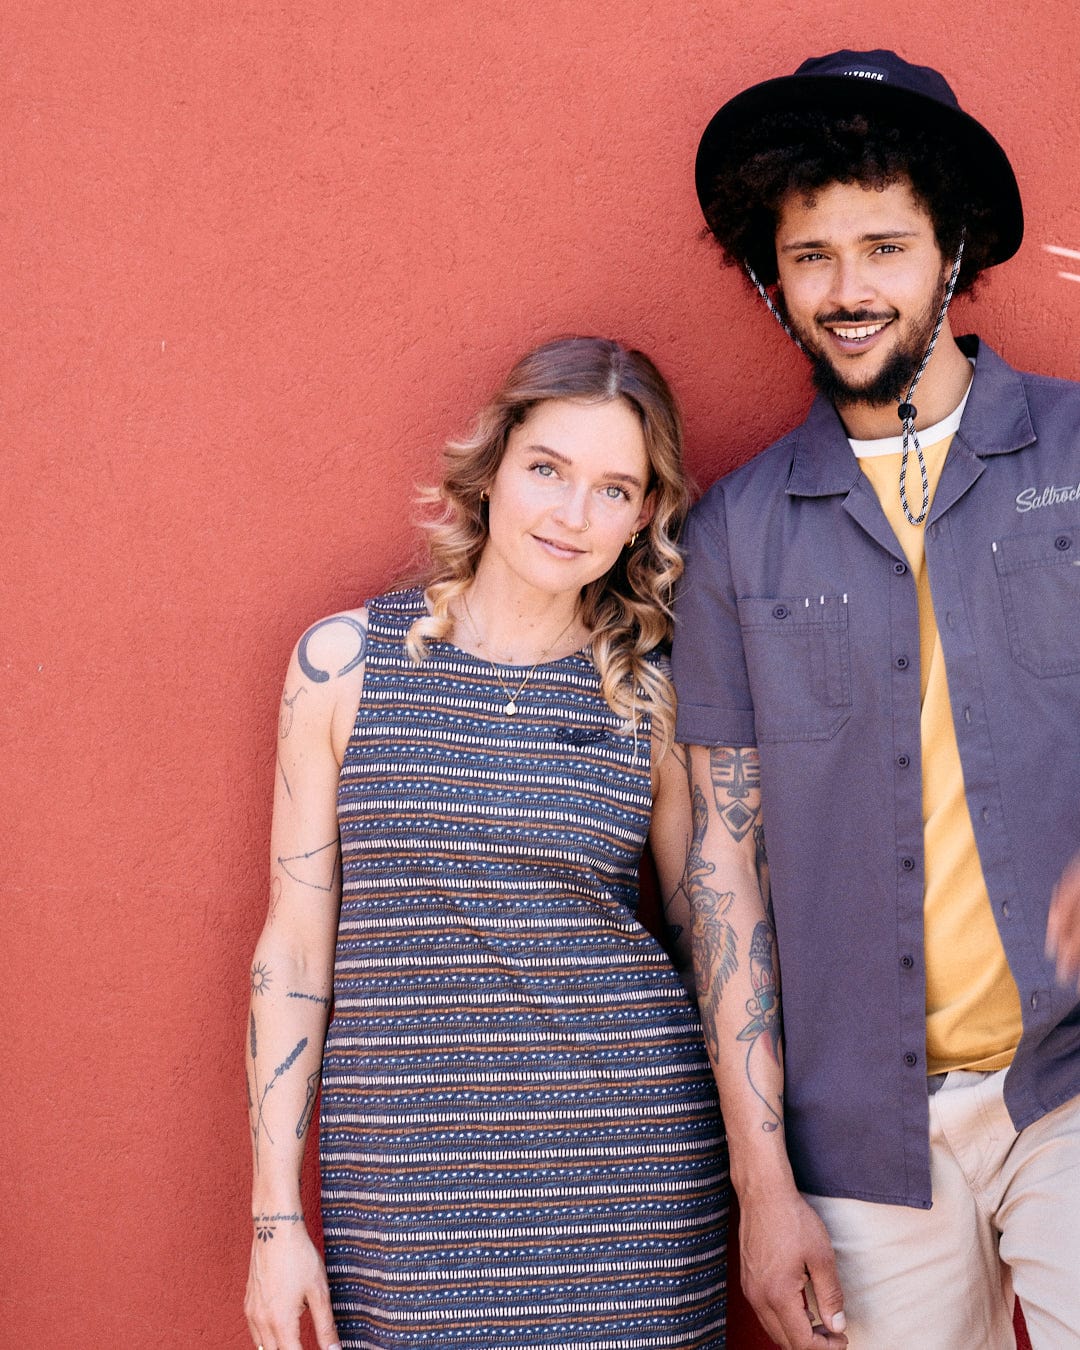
[
  {"x": 867, "y": 74},
  {"x": 1031, "y": 499}
]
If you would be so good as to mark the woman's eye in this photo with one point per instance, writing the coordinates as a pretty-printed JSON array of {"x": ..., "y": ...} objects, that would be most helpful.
[
  {"x": 616, "y": 493},
  {"x": 544, "y": 470}
]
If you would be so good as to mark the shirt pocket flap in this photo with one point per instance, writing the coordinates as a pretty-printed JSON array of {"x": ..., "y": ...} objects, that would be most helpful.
[
  {"x": 799, "y": 664},
  {"x": 1039, "y": 580}
]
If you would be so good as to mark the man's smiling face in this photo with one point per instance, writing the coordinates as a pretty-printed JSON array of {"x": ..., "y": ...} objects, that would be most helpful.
[{"x": 862, "y": 281}]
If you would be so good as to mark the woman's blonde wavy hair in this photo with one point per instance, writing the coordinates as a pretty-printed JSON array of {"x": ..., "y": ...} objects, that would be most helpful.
[{"x": 628, "y": 610}]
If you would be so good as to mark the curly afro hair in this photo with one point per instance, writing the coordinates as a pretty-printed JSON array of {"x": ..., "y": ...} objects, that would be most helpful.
[{"x": 785, "y": 152}]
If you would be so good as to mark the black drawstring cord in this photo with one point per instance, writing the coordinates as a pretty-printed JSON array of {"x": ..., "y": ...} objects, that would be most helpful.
[{"x": 907, "y": 412}]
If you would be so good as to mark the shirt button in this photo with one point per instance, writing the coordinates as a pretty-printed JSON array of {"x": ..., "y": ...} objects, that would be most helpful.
[
  {"x": 781, "y": 612},
  {"x": 908, "y": 864},
  {"x": 1062, "y": 542},
  {"x": 911, "y": 1060},
  {"x": 1034, "y": 1001},
  {"x": 903, "y": 761},
  {"x": 985, "y": 813},
  {"x": 899, "y": 568},
  {"x": 907, "y": 962},
  {"x": 901, "y": 663},
  {"x": 950, "y": 621},
  {"x": 967, "y": 715},
  {"x": 1005, "y": 908}
]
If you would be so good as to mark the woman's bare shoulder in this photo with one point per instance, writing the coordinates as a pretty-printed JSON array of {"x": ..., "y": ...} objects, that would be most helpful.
[
  {"x": 334, "y": 647},
  {"x": 325, "y": 679}
]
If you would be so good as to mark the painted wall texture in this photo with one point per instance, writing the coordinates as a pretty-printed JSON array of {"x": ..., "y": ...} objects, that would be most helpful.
[{"x": 260, "y": 259}]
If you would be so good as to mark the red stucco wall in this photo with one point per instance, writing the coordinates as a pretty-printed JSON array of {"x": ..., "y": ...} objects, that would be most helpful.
[{"x": 260, "y": 258}]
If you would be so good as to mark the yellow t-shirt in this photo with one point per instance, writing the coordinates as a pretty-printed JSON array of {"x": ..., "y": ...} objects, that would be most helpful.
[{"x": 972, "y": 1004}]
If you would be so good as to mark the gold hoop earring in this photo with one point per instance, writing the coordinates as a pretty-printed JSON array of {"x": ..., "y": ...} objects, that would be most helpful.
[
  {"x": 632, "y": 540},
  {"x": 483, "y": 494}
]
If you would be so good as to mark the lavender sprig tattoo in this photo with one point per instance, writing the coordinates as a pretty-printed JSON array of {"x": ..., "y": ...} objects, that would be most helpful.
[{"x": 260, "y": 1127}]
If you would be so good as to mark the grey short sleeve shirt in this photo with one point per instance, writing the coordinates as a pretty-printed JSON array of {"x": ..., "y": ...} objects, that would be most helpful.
[{"x": 797, "y": 631}]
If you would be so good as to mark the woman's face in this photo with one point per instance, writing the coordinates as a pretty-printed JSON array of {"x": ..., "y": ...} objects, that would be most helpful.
[{"x": 570, "y": 491}]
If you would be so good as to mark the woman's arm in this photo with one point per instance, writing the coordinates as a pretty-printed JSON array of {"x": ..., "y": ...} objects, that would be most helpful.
[
  {"x": 669, "y": 842},
  {"x": 292, "y": 977}
]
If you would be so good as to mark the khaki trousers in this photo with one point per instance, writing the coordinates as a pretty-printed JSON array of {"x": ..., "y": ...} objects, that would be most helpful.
[{"x": 1005, "y": 1218}]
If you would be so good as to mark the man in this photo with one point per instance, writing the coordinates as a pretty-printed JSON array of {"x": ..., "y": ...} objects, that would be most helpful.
[{"x": 878, "y": 665}]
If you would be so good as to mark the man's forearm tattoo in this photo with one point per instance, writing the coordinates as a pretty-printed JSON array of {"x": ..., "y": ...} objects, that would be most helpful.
[
  {"x": 715, "y": 959},
  {"x": 321, "y": 676},
  {"x": 761, "y": 864},
  {"x": 736, "y": 783},
  {"x": 762, "y": 1032}
]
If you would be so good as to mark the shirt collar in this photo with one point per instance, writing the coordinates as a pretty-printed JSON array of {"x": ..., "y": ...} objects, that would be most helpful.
[{"x": 996, "y": 421}]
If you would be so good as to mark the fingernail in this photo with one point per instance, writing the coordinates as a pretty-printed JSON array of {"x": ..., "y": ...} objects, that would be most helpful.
[{"x": 839, "y": 1322}]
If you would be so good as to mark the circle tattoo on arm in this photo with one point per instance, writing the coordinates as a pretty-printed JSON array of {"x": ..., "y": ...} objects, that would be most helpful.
[{"x": 321, "y": 676}]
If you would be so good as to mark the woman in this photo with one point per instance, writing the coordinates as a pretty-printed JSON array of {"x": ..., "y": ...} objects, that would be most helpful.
[{"x": 520, "y": 1138}]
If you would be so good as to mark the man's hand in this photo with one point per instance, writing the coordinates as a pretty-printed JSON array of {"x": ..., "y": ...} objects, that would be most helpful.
[
  {"x": 1063, "y": 925},
  {"x": 789, "y": 1271}
]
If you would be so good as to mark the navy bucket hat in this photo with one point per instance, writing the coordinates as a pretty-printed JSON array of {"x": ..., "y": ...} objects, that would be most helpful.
[{"x": 877, "y": 81}]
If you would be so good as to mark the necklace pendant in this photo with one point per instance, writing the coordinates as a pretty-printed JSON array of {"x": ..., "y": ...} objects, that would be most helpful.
[{"x": 510, "y": 709}]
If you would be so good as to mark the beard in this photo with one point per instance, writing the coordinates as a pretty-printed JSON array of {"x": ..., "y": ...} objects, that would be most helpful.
[{"x": 891, "y": 383}]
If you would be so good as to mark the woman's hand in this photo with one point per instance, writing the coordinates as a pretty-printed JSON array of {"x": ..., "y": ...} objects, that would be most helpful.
[{"x": 286, "y": 1276}]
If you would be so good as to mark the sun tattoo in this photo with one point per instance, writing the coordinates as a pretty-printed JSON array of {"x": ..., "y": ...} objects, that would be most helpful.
[{"x": 260, "y": 978}]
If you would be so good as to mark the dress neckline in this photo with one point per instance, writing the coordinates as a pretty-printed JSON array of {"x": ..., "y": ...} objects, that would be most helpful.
[{"x": 582, "y": 653}]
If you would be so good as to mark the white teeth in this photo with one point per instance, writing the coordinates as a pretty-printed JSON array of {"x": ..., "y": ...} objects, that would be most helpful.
[{"x": 852, "y": 334}]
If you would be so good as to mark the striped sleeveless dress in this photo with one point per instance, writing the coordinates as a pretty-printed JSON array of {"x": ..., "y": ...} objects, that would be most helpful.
[{"x": 520, "y": 1139}]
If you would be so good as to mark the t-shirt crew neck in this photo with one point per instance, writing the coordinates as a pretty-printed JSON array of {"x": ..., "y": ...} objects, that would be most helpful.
[{"x": 894, "y": 445}]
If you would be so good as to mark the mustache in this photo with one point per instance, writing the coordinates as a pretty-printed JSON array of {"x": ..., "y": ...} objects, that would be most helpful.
[{"x": 855, "y": 317}]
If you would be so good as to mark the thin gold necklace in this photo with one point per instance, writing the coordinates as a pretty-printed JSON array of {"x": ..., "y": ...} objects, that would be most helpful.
[{"x": 511, "y": 707}]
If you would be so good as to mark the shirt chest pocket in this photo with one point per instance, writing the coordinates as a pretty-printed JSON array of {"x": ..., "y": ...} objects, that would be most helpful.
[
  {"x": 799, "y": 664},
  {"x": 1039, "y": 579}
]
